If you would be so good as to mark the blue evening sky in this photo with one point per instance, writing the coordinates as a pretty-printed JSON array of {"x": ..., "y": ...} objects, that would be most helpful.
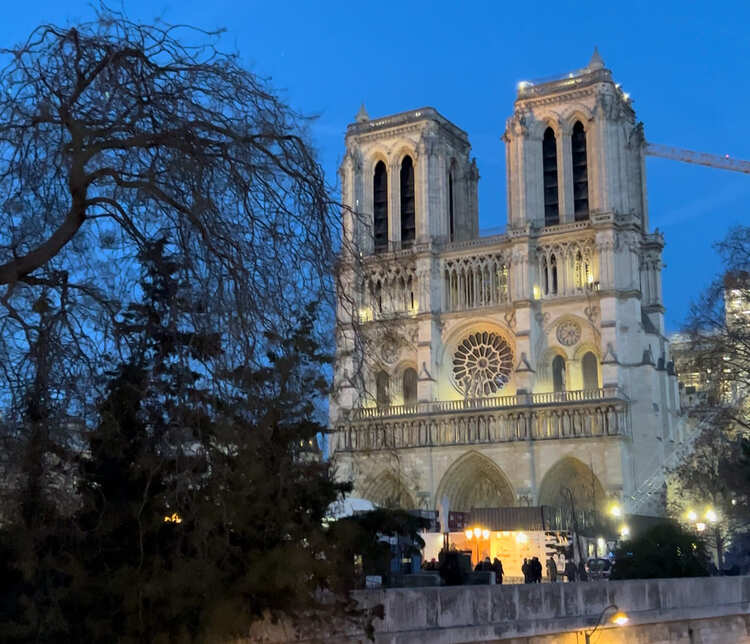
[{"x": 685, "y": 64}]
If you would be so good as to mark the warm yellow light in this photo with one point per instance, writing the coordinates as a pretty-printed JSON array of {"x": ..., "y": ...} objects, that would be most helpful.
[
  {"x": 691, "y": 515},
  {"x": 537, "y": 292},
  {"x": 600, "y": 543},
  {"x": 521, "y": 538},
  {"x": 498, "y": 535},
  {"x": 477, "y": 532},
  {"x": 700, "y": 526},
  {"x": 624, "y": 531},
  {"x": 620, "y": 618},
  {"x": 175, "y": 518},
  {"x": 711, "y": 516},
  {"x": 485, "y": 534},
  {"x": 365, "y": 314},
  {"x": 469, "y": 534},
  {"x": 615, "y": 510}
]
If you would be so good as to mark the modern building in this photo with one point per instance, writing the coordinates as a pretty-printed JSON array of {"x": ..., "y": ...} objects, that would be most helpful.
[{"x": 524, "y": 368}]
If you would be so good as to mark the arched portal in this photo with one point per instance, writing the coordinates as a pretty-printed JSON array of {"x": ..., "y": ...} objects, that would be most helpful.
[
  {"x": 570, "y": 474},
  {"x": 388, "y": 490},
  {"x": 474, "y": 481}
]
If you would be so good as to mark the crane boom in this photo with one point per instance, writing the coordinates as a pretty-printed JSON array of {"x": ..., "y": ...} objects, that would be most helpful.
[{"x": 699, "y": 158}]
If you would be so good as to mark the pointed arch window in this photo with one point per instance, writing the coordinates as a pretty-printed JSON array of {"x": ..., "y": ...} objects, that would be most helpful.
[
  {"x": 549, "y": 162},
  {"x": 590, "y": 366},
  {"x": 410, "y": 387},
  {"x": 558, "y": 374},
  {"x": 380, "y": 207},
  {"x": 553, "y": 274},
  {"x": 451, "y": 224},
  {"x": 407, "y": 202},
  {"x": 382, "y": 397},
  {"x": 545, "y": 276},
  {"x": 580, "y": 172}
]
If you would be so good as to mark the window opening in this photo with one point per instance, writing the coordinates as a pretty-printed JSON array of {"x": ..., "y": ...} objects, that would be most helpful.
[
  {"x": 380, "y": 207},
  {"x": 410, "y": 387},
  {"x": 590, "y": 371},
  {"x": 558, "y": 374},
  {"x": 549, "y": 162},
  {"x": 450, "y": 204},
  {"x": 553, "y": 271},
  {"x": 381, "y": 385},
  {"x": 580, "y": 173},
  {"x": 407, "y": 202}
]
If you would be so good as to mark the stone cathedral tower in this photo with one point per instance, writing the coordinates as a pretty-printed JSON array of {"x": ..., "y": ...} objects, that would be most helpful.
[{"x": 497, "y": 371}]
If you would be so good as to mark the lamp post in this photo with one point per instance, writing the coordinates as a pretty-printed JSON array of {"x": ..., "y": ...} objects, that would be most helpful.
[
  {"x": 700, "y": 522},
  {"x": 619, "y": 618}
]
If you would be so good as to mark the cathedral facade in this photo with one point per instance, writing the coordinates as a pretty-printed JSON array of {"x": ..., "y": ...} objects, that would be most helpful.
[{"x": 515, "y": 368}]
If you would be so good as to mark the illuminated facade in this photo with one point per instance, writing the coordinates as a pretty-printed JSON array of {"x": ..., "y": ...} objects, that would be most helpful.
[{"x": 502, "y": 370}]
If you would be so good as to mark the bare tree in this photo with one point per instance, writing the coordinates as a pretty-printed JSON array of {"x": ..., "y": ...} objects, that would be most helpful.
[{"x": 115, "y": 134}]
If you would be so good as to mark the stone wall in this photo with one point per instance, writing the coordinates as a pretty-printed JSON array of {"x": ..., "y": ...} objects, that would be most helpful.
[{"x": 715, "y": 609}]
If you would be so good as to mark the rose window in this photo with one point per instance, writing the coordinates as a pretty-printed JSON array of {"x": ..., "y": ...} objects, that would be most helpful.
[{"x": 482, "y": 364}]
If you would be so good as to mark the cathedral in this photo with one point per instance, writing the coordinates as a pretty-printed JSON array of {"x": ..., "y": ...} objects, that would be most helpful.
[{"x": 505, "y": 370}]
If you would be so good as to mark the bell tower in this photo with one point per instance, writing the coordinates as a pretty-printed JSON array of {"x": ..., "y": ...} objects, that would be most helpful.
[
  {"x": 407, "y": 179},
  {"x": 574, "y": 149}
]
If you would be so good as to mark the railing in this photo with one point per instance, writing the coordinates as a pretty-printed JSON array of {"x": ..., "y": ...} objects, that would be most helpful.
[
  {"x": 583, "y": 418},
  {"x": 498, "y": 402}
]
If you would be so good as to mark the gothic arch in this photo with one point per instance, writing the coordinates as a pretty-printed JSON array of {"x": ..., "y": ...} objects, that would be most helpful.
[
  {"x": 577, "y": 113},
  {"x": 474, "y": 481},
  {"x": 540, "y": 124},
  {"x": 569, "y": 473},
  {"x": 388, "y": 490}
]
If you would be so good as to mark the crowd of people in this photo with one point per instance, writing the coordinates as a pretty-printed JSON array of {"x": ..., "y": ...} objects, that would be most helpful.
[
  {"x": 495, "y": 566},
  {"x": 532, "y": 569}
]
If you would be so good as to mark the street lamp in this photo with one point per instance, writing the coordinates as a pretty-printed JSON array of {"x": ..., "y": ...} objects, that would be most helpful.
[
  {"x": 476, "y": 535},
  {"x": 619, "y": 618}
]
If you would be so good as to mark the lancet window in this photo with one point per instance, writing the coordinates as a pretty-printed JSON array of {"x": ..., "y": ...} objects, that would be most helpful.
[
  {"x": 551, "y": 194},
  {"x": 393, "y": 291},
  {"x": 558, "y": 374},
  {"x": 382, "y": 397},
  {"x": 476, "y": 281},
  {"x": 409, "y": 385},
  {"x": 451, "y": 221},
  {"x": 408, "y": 227},
  {"x": 380, "y": 207},
  {"x": 590, "y": 367},
  {"x": 567, "y": 268},
  {"x": 580, "y": 172}
]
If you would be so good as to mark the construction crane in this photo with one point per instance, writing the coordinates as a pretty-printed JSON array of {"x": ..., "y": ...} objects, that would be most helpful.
[{"x": 699, "y": 158}]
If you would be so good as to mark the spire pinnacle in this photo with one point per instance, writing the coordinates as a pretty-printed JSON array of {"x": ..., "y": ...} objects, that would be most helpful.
[
  {"x": 362, "y": 116},
  {"x": 596, "y": 61}
]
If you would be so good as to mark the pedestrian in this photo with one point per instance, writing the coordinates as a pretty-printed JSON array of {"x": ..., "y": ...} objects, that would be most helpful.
[
  {"x": 525, "y": 570},
  {"x": 570, "y": 570},
  {"x": 497, "y": 566},
  {"x": 582, "y": 573},
  {"x": 551, "y": 570},
  {"x": 536, "y": 566}
]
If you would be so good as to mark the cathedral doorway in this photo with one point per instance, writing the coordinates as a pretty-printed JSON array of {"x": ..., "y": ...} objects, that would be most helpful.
[
  {"x": 474, "y": 481},
  {"x": 388, "y": 490},
  {"x": 570, "y": 479}
]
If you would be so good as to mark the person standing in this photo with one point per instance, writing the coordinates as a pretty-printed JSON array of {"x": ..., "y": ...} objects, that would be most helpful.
[
  {"x": 497, "y": 566},
  {"x": 536, "y": 566},
  {"x": 525, "y": 570},
  {"x": 551, "y": 570},
  {"x": 570, "y": 571}
]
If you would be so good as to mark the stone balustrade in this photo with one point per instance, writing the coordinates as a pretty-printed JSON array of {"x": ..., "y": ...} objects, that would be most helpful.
[{"x": 570, "y": 414}]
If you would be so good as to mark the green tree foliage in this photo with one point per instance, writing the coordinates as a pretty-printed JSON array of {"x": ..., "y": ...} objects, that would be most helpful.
[
  {"x": 199, "y": 512},
  {"x": 664, "y": 551},
  {"x": 361, "y": 535}
]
